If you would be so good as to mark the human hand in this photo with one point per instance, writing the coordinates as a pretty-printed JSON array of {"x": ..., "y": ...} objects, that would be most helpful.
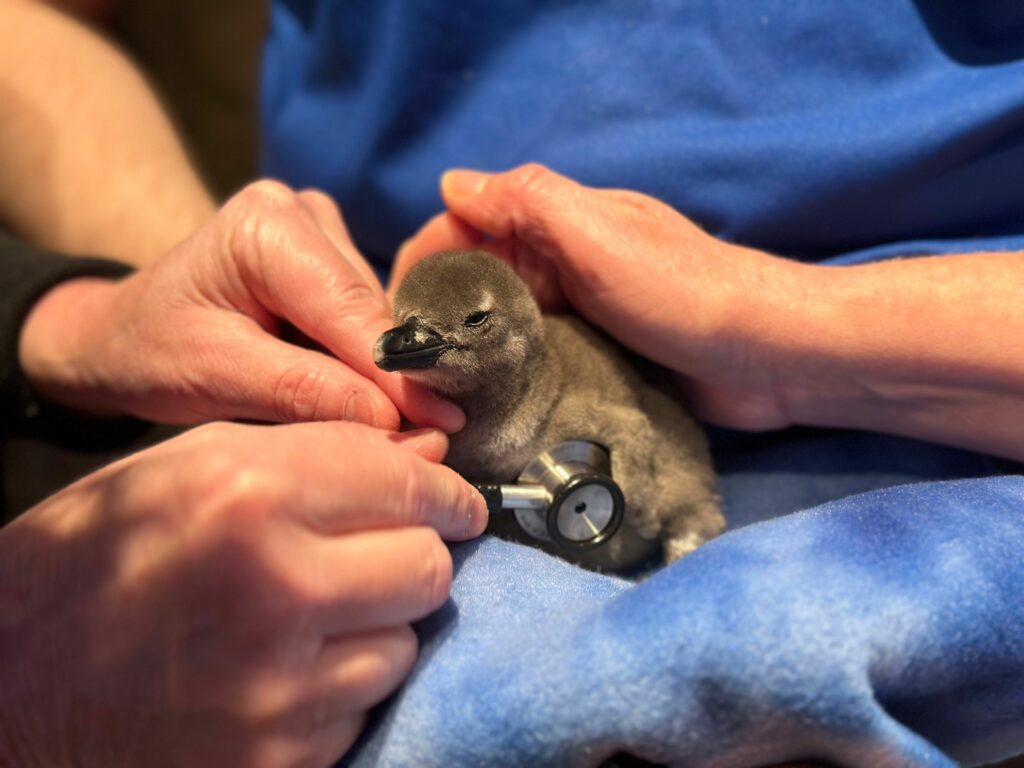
[
  {"x": 239, "y": 595},
  {"x": 194, "y": 337},
  {"x": 636, "y": 268}
]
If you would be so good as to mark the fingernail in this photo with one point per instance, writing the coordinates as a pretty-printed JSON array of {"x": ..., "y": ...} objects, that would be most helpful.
[
  {"x": 450, "y": 418},
  {"x": 463, "y": 185},
  {"x": 401, "y": 250},
  {"x": 359, "y": 407},
  {"x": 477, "y": 518},
  {"x": 420, "y": 437}
]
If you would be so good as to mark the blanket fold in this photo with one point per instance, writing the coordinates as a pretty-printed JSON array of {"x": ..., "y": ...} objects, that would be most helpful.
[{"x": 884, "y": 629}]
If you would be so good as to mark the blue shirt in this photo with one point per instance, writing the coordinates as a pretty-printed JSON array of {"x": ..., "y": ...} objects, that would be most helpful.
[
  {"x": 816, "y": 130},
  {"x": 840, "y": 131}
]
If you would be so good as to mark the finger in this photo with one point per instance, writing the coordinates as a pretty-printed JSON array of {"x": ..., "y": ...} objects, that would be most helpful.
[
  {"x": 352, "y": 336},
  {"x": 346, "y": 443},
  {"x": 343, "y": 484},
  {"x": 307, "y": 737},
  {"x": 375, "y": 579},
  {"x": 418, "y": 403},
  {"x": 326, "y": 213},
  {"x": 444, "y": 232},
  {"x": 541, "y": 274},
  {"x": 356, "y": 672},
  {"x": 530, "y": 202},
  {"x": 351, "y": 674},
  {"x": 540, "y": 222},
  {"x": 266, "y": 379},
  {"x": 431, "y": 444},
  {"x": 331, "y": 741},
  {"x": 295, "y": 271}
]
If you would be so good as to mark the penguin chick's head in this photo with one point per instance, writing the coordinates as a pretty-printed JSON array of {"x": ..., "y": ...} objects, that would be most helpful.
[{"x": 464, "y": 318}]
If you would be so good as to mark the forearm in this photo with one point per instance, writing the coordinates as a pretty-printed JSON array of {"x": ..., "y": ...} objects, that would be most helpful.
[
  {"x": 29, "y": 277},
  {"x": 930, "y": 348},
  {"x": 54, "y": 353},
  {"x": 91, "y": 162}
]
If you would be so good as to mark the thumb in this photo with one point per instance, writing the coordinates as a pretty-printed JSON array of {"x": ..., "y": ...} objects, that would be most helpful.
[
  {"x": 528, "y": 202},
  {"x": 444, "y": 232},
  {"x": 285, "y": 383},
  {"x": 431, "y": 444},
  {"x": 539, "y": 222}
]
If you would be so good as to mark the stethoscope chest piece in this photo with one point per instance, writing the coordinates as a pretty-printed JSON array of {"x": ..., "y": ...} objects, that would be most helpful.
[
  {"x": 589, "y": 510},
  {"x": 565, "y": 496}
]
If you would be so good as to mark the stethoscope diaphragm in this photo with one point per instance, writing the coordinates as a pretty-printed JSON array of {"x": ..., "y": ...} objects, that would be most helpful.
[{"x": 566, "y": 496}]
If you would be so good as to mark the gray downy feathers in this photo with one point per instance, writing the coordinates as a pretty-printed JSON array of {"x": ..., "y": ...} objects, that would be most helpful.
[{"x": 529, "y": 381}]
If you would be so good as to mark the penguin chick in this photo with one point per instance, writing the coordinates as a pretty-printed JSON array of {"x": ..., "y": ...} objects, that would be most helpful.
[{"x": 469, "y": 328}]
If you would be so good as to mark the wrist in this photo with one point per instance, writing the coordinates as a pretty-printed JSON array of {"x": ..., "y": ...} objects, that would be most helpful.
[
  {"x": 834, "y": 360},
  {"x": 59, "y": 342},
  {"x": 921, "y": 347},
  {"x": 756, "y": 342},
  {"x": 791, "y": 332}
]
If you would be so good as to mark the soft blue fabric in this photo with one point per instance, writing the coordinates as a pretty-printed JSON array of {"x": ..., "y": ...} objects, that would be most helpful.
[
  {"x": 808, "y": 128},
  {"x": 869, "y": 632},
  {"x": 873, "y": 631},
  {"x": 782, "y": 640}
]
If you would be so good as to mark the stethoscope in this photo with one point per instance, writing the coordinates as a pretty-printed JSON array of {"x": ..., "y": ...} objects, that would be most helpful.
[{"x": 565, "y": 497}]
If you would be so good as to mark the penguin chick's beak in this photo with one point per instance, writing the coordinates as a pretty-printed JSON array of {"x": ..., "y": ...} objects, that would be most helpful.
[{"x": 412, "y": 345}]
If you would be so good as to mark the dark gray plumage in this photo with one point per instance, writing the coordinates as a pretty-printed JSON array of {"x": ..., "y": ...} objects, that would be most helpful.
[{"x": 528, "y": 382}]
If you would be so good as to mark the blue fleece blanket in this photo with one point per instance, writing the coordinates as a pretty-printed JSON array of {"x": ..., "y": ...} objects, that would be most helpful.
[{"x": 881, "y": 629}]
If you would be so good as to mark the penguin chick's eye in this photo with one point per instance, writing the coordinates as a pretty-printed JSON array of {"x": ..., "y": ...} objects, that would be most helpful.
[{"x": 475, "y": 319}]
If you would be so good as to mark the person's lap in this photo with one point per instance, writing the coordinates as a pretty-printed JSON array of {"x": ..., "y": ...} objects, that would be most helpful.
[{"x": 763, "y": 476}]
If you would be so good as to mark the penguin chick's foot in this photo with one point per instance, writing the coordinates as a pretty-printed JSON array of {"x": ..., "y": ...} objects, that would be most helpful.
[{"x": 680, "y": 545}]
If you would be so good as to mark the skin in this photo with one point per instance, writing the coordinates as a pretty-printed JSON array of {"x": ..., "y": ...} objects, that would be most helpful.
[
  {"x": 928, "y": 348},
  {"x": 239, "y": 595},
  {"x": 196, "y": 336},
  {"x": 261, "y": 579},
  {"x": 83, "y": 139},
  {"x": 498, "y": 369}
]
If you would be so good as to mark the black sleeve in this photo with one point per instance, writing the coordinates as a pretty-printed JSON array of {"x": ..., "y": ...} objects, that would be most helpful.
[{"x": 26, "y": 273}]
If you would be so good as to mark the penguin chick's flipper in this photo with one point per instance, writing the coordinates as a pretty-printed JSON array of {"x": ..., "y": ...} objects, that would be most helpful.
[
  {"x": 672, "y": 489},
  {"x": 660, "y": 456},
  {"x": 663, "y": 470},
  {"x": 685, "y": 500}
]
